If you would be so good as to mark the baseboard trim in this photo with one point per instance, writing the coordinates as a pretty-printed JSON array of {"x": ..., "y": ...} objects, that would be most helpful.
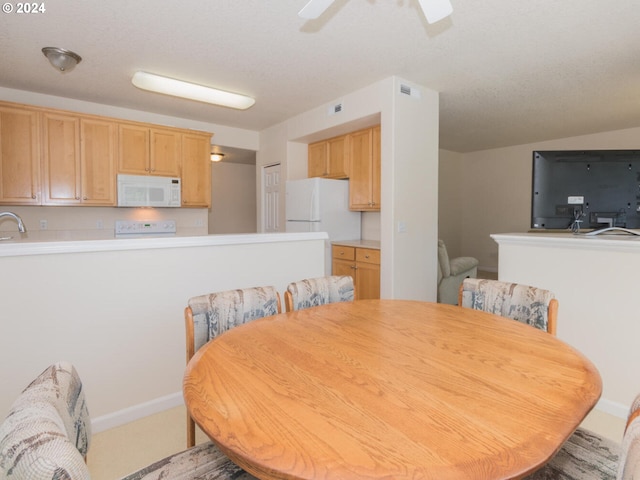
[
  {"x": 488, "y": 269},
  {"x": 613, "y": 408},
  {"x": 136, "y": 412}
]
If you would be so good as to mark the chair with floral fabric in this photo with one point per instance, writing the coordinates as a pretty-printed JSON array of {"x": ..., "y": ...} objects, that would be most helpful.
[
  {"x": 47, "y": 433},
  {"x": 534, "y": 306},
  {"x": 207, "y": 316},
  {"x": 312, "y": 292},
  {"x": 589, "y": 456}
]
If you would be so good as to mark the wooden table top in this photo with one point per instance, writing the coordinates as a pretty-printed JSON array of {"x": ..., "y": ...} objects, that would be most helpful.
[{"x": 389, "y": 389}]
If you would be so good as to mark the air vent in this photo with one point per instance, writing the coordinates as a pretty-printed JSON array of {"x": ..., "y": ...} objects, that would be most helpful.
[
  {"x": 337, "y": 108},
  {"x": 407, "y": 90}
]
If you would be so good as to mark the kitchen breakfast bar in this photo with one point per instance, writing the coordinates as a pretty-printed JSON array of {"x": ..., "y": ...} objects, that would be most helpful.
[{"x": 110, "y": 306}]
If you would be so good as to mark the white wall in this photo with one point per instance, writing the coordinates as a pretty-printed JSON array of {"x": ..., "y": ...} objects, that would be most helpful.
[
  {"x": 118, "y": 315},
  {"x": 494, "y": 191},
  {"x": 409, "y": 149},
  {"x": 233, "y": 198}
]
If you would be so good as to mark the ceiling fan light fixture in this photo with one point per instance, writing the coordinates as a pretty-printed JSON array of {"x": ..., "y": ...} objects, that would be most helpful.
[
  {"x": 61, "y": 59},
  {"x": 191, "y": 91},
  {"x": 436, "y": 10},
  {"x": 216, "y": 157}
]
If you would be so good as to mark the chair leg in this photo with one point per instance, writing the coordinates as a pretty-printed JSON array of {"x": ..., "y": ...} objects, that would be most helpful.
[{"x": 191, "y": 432}]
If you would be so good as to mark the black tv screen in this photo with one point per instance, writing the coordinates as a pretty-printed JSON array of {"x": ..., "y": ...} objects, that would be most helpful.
[{"x": 599, "y": 188}]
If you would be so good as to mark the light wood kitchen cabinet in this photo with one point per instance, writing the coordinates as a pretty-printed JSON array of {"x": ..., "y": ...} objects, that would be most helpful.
[
  {"x": 329, "y": 158},
  {"x": 363, "y": 264},
  {"x": 78, "y": 160},
  {"x": 148, "y": 151},
  {"x": 365, "y": 170},
  {"x": 98, "y": 149},
  {"x": 196, "y": 170},
  {"x": 19, "y": 156}
]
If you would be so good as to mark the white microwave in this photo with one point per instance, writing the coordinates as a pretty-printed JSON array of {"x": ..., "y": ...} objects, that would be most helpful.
[{"x": 148, "y": 191}]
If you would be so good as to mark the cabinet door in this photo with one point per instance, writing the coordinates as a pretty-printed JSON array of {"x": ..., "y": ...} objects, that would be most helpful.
[
  {"x": 97, "y": 162},
  {"x": 361, "y": 173},
  {"x": 368, "y": 280},
  {"x": 196, "y": 171},
  {"x": 133, "y": 152},
  {"x": 61, "y": 159},
  {"x": 165, "y": 153},
  {"x": 19, "y": 157},
  {"x": 338, "y": 157},
  {"x": 376, "y": 169},
  {"x": 344, "y": 267},
  {"x": 317, "y": 161}
]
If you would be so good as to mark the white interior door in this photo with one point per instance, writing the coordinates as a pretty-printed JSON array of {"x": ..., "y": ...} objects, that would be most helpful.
[{"x": 271, "y": 198}]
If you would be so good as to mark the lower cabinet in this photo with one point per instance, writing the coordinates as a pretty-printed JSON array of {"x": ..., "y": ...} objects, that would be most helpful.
[{"x": 363, "y": 264}]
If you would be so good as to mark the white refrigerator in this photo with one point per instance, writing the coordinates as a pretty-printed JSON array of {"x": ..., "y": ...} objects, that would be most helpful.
[{"x": 321, "y": 205}]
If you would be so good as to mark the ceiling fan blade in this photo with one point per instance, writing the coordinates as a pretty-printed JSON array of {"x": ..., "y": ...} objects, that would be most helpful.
[
  {"x": 314, "y": 9},
  {"x": 435, "y": 10}
]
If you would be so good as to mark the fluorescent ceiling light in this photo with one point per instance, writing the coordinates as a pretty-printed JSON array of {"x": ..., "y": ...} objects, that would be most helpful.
[{"x": 199, "y": 93}]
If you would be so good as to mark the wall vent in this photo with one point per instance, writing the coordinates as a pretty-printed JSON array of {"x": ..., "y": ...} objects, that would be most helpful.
[
  {"x": 337, "y": 108},
  {"x": 407, "y": 90}
]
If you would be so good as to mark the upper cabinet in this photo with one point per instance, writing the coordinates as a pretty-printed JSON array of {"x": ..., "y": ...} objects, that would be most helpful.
[
  {"x": 78, "y": 161},
  {"x": 329, "y": 158},
  {"x": 196, "y": 170},
  {"x": 56, "y": 157},
  {"x": 364, "y": 178},
  {"x": 19, "y": 156},
  {"x": 149, "y": 151}
]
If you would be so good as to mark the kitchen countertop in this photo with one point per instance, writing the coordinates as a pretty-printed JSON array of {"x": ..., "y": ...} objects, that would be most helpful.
[
  {"x": 375, "y": 244},
  {"x": 26, "y": 246}
]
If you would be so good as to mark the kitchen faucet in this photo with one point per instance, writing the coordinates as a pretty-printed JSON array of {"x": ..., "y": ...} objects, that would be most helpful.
[{"x": 21, "y": 227}]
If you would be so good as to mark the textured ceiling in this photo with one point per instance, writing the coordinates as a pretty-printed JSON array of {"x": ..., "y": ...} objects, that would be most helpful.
[{"x": 509, "y": 72}]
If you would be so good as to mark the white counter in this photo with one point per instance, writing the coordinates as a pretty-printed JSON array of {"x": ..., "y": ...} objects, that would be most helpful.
[
  {"x": 35, "y": 246},
  {"x": 596, "y": 281},
  {"x": 114, "y": 308}
]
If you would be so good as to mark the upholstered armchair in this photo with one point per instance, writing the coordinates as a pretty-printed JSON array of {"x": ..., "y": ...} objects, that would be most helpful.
[
  {"x": 47, "y": 433},
  {"x": 312, "y": 292},
  {"x": 451, "y": 273}
]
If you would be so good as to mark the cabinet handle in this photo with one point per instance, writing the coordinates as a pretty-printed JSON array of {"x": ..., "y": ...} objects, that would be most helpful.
[
  {"x": 366, "y": 256},
  {"x": 33, "y": 196}
]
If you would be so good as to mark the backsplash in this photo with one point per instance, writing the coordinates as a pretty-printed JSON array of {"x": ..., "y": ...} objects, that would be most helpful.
[{"x": 91, "y": 223}]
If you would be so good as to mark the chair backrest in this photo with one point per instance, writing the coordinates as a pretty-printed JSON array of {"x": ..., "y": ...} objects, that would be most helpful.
[
  {"x": 47, "y": 432},
  {"x": 534, "y": 306},
  {"x": 629, "y": 466},
  {"x": 312, "y": 292},
  {"x": 207, "y": 316}
]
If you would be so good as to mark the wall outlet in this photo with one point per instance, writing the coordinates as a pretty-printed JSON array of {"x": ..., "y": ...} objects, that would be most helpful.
[
  {"x": 99, "y": 225},
  {"x": 199, "y": 222},
  {"x": 43, "y": 224}
]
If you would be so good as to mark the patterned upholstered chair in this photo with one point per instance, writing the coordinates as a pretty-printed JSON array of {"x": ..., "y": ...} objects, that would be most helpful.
[
  {"x": 207, "y": 316},
  {"x": 47, "y": 433},
  {"x": 312, "y": 292},
  {"x": 588, "y": 456},
  {"x": 530, "y": 305}
]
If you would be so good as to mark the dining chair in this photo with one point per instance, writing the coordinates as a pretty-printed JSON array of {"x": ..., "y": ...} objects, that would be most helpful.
[
  {"x": 207, "y": 316},
  {"x": 312, "y": 292},
  {"x": 589, "y": 456},
  {"x": 47, "y": 434},
  {"x": 534, "y": 306}
]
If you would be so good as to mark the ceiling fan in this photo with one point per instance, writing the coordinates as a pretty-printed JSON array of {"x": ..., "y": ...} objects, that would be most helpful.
[{"x": 433, "y": 10}]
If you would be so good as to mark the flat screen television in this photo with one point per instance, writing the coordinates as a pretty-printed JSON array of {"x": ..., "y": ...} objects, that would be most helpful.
[{"x": 596, "y": 188}]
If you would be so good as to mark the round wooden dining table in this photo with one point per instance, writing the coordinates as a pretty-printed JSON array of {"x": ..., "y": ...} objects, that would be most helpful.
[{"x": 389, "y": 389}]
